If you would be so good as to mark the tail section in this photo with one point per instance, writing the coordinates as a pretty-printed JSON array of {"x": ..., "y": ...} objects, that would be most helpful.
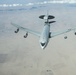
[{"x": 47, "y": 18}]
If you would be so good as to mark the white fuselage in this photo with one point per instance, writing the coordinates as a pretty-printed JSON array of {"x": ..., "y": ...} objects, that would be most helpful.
[{"x": 44, "y": 38}]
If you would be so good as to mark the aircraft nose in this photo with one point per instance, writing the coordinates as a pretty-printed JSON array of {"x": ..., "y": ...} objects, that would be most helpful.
[{"x": 43, "y": 45}]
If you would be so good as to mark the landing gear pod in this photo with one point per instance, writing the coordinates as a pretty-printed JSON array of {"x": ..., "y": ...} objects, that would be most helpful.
[{"x": 50, "y": 35}]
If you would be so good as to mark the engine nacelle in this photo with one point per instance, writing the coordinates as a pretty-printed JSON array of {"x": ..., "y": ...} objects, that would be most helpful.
[
  {"x": 25, "y": 36},
  {"x": 65, "y": 37},
  {"x": 17, "y": 30}
]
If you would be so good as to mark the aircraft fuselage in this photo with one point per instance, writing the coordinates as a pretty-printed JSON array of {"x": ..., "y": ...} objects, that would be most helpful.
[{"x": 44, "y": 38}]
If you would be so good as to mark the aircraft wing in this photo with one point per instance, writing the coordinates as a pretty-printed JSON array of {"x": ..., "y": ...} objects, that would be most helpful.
[
  {"x": 53, "y": 34},
  {"x": 26, "y": 29}
]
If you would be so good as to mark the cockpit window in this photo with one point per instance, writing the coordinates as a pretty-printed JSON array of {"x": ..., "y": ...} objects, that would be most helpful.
[{"x": 42, "y": 44}]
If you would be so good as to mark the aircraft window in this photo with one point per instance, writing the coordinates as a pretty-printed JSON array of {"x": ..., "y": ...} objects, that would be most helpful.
[{"x": 42, "y": 44}]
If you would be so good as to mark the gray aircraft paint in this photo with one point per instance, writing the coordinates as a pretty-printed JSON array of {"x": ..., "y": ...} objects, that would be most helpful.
[{"x": 44, "y": 38}]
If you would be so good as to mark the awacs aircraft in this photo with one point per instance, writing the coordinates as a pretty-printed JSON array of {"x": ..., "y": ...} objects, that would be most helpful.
[{"x": 45, "y": 34}]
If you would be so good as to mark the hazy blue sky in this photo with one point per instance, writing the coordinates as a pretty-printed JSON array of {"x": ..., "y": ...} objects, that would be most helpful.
[
  {"x": 18, "y": 1},
  {"x": 28, "y": 1}
]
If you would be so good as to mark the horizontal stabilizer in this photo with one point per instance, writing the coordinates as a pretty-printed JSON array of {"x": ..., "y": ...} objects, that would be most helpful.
[{"x": 50, "y": 22}]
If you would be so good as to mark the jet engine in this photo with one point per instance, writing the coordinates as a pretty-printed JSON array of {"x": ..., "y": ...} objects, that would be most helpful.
[
  {"x": 25, "y": 36},
  {"x": 65, "y": 37},
  {"x": 17, "y": 30}
]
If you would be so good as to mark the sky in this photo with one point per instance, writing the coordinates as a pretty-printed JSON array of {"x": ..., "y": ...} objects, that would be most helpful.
[
  {"x": 14, "y": 3},
  {"x": 19, "y": 1},
  {"x": 28, "y": 1}
]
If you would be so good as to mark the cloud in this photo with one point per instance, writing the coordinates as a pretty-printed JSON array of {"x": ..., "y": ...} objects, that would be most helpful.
[
  {"x": 39, "y": 3},
  {"x": 10, "y": 5}
]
